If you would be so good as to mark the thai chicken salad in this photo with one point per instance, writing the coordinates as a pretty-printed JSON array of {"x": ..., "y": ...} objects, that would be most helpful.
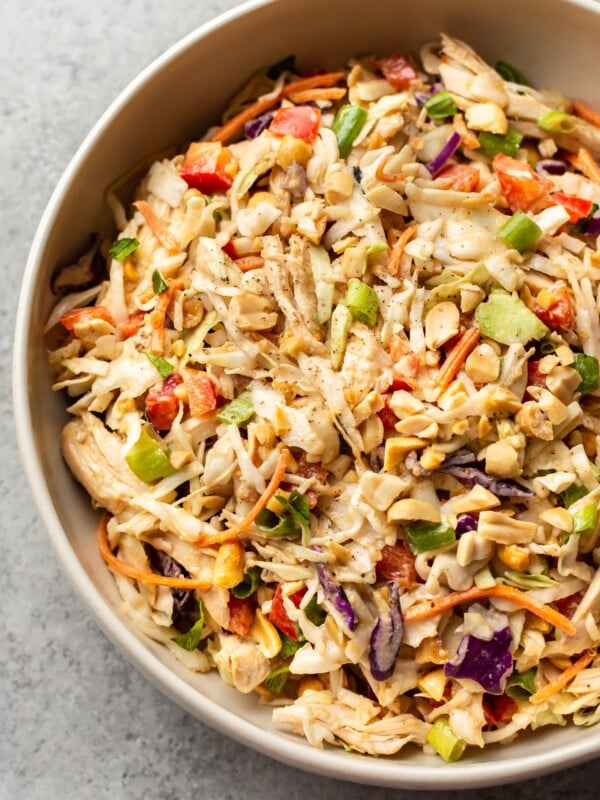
[{"x": 335, "y": 385}]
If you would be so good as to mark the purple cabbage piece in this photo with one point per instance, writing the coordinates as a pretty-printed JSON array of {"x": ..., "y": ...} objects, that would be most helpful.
[
  {"x": 550, "y": 166},
  {"x": 185, "y": 608},
  {"x": 465, "y": 523},
  {"x": 335, "y": 595},
  {"x": 488, "y": 663},
  {"x": 256, "y": 126},
  {"x": 447, "y": 151},
  {"x": 386, "y": 638},
  {"x": 422, "y": 98},
  {"x": 592, "y": 226},
  {"x": 460, "y": 458},
  {"x": 471, "y": 476},
  {"x": 295, "y": 180}
]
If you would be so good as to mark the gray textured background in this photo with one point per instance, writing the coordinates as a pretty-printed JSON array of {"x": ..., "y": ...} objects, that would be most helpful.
[{"x": 76, "y": 720}]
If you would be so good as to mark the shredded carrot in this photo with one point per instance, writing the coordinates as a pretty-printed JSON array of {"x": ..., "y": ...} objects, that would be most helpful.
[
  {"x": 313, "y": 95},
  {"x": 248, "y": 263},
  {"x": 228, "y": 535},
  {"x": 158, "y": 316},
  {"x": 395, "y": 255},
  {"x": 388, "y": 177},
  {"x": 468, "y": 137},
  {"x": 158, "y": 227},
  {"x": 456, "y": 357},
  {"x": 563, "y": 679},
  {"x": 139, "y": 574},
  {"x": 431, "y": 608},
  {"x": 586, "y": 112},
  {"x": 235, "y": 124},
  {"x": 584, "y": 162}
]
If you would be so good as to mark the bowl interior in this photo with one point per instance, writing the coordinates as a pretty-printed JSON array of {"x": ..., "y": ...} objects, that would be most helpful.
[{"x": 171, "y": 102}]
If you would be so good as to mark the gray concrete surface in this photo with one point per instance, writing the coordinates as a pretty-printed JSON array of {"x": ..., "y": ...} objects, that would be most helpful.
[{"x": 77, "y": 722}]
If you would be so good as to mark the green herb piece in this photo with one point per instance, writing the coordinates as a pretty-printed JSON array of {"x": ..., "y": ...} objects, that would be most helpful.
[
  {"x": 506, "y": 319},
  {"x": 444, "y": 741},
  {"x": 510, "y": 73},
  {"x": 315, "y": 613},
  {"x": 574, "y": 493},
  {"x": 341, "y": 322},
  {"x": 493, "y": 143},
  {"x": 159, "y": 284},
  {"x": 585, "y": 520},
  {"x": 297, "y": 505},
  {"x": 525, "y": 581},
  {"x": 161, "y": 364},
  {"x": 291, "y": 522},
  {"x": 362, "y": 301},
  {"x": 587, "y": 367},
  {"x": 520, "y": 232},
  {"x": 521, "y": 684},
  {"x": 425, "y": 536},
  {"x": 348, "y": 123},
  {"x": 277, "y": 679},
  {"x": 249, "y": 585},
  {"x": 557, "y": 122},
  {"x": 441, "y": 105},
  {"x": 289, "y": 646},
  {"x": 122, "y": 248},
  {"x": 190, "y": 640},
  {"x": 148, "y": 458},
  {"x": 237, "y": 412}
]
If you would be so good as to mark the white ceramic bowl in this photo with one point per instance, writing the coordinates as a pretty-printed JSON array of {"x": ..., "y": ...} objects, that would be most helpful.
[{"x": 177, "y": 97}]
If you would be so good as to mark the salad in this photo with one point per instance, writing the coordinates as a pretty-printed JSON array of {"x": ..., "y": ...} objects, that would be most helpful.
[{"x": 335, "y": 385}]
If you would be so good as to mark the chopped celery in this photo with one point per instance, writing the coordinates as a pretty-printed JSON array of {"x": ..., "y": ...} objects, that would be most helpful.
[
  {"x": 520, "y": 232},
  {"x": 587, "y": 367},
  {"x": 238, "y": 411},
  {"x": 493, "y": 143},
  {"x": 443, "y": 739},
  {"x": 341, "y": 322},
  {"x": 148, "y": 458},
  {"x": 506, "y": 319},
  {"x": 348, "y": 123},
  {"x": 425, "y": 536},
  {"x": 362, "y": 301},
  {"x": 585, "y": 520}
]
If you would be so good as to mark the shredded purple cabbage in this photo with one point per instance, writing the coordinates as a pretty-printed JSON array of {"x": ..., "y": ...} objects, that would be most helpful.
[
  {"x": 185, "y": 607},
  {"x": 335, "y": 595},
  {"x": 386, "y": 637},
  {"x": 487, "y": 662},
  {"x": 465, "y": 523},
  {"x": 447, "y": 151},
  {"x": 592, "y": 225},
  {"x": 422, "y": 98},
  {"x": 471, "y": 476},
  {"x": 256, "y": 126},
  {"x": 460, "y": 458},
  {"x": 550, "y": 166}
]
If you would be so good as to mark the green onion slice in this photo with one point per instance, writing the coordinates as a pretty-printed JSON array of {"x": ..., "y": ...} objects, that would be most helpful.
[
  {"x": 159, "y": 284},
  {"x": 237, "y": 412},
  {"x": 587, "y": 367},
  {"x": 122, "y": 248},
  {"x": 162, "y": 365},
  {"x": 441, "y": 105},
  {"x": 425, "y": 536},
  {"x": 520, "y": 232},
  {"x": 348, "y": 123},
  {"x": 493, "y": 143},
  {"x": 443, "y": 739},
  {"x": 557, "y": 122}
]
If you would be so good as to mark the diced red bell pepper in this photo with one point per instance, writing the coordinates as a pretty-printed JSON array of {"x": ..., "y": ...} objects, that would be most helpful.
[
  {"x": 460, "y": 177},
  {"x": 202, "y": 398},
  {"x": 209, "y": 167},
  {"x": 520, "y": 184},
  {"x": 77, "y": 316},
  {"x": 241, "y": 614},
  {"x": 397, "y": 563},
  {"x": 161, "y": 404},
  {"x": 229, "y": 249},
  {"x": 498, "y": 709},
  {"x": 386, "y": 415},
  {"x": 299, "y": 121},
  {"x": 534, "y": 376},
  {"x": 577, "y": 207},
  {"x": 278, "y": 615},
  {"x": 557, "y": 310},
  {"x": 397, "y": 70},
  {"x": 132, "y": 325},
  {"x": 569, "y": 605}
]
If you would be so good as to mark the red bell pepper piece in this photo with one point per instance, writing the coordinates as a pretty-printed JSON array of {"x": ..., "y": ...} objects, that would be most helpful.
[
  {"x": 299, "y": 121},
  {"x": 202, "y": 398},
  {"x": 132, "y": 325},
  {"x": 498, "y": 709},
  {"x": 241, "y": 614},
  {"x": 558, "y": 310},
  {"x": 161, "y": 404},
  {"x": 569, "y": 605},
  {"x": 397, "y": 563},
  {"x": 534, "y": 376},
  {"x": 386, "y": 415},
  {"x": 209, "y": 167},
  {"x": 77, "y": 316},
  {"x": 520, "y": 184},
  {"x": 278, "y": 615},
  {"x": 229, "y": 249},
  {"x": 577, "y": 207},
  {"x": 397, "y": 70},
  {"x": 460, "y": 177}
]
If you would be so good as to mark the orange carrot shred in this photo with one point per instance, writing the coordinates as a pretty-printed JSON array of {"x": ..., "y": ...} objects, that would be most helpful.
[
  {"x": 395, "y": 255},
  {"x": 314, "y": 82},
  {"x": 586, "y": 112},
  {"x": 313, "y": 95},
  {"x": 158, "y": 227},
  {"x": 456, "y": 357},
  {"x": 139, "y": 574},
  {"x": 248, "y": 263},
  {"x": 226, "y": 536},
  {"x": 563, "y": 679},
  {"x": 432, "y": 608},
  {"x": 585, "y": 163},
  {"x": 388, "y": 177}
]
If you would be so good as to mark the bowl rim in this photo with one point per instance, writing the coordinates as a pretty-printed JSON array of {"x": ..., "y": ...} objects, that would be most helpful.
[{"x": 294, "y": 751}]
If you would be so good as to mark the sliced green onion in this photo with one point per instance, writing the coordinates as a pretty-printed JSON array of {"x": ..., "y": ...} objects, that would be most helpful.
[
  {"x": 292, "y": 522},
  {"x": 277, "y": 679},
  {"x": 510, "y": 73},
  {"x": 190, "y": 640},
  {"x": 148, "y": 458},
  {"x": 547, "y": 346},
  {"x": 587, "y": 367},
  {"x": 441, "y": 105},
  {"x": 362, "y": 301},
  {"x": 443, "y": 739},
  {"x": 348, "y": 123},
  {"x": 585, "y": 520},
  {"x": 159, "y": 284},
  {"x": 122, "y": 248},
  {"x": 521, "y": 684},
  {"x": 520, "y": 232},
  {"x": 557, "y": 122},
  {"x": 289, "y": 646},
  {"x": 162, "y": 365},
  {"x": 341, "y": 322},
  {"x": 315, "y": 613},
  {"x": 574, "y": 493},
  {"x": 237, "y": 412},
  {"x": 249, "y": 585},
  {"x": 425, "y": 536},
  {"x": 493, "y": 143}
]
